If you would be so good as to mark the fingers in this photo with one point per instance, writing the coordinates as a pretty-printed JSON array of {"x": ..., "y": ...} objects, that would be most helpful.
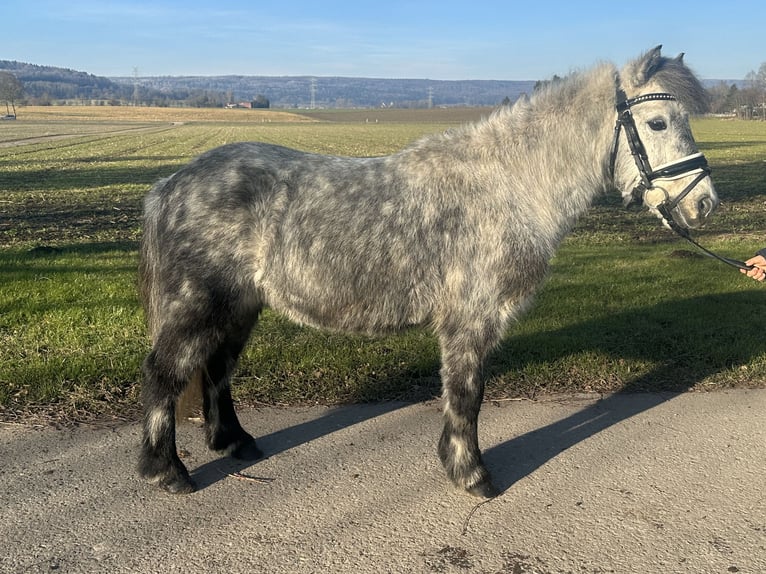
[
  {"x": 758, "y": 260},
  {"x": 757, "y": 273}
]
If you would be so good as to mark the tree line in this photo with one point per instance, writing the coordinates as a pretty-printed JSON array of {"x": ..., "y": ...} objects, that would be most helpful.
[{"x": 747, "y": 102}]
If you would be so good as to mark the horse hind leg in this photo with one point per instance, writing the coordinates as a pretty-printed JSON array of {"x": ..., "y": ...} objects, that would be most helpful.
[
  {"x": 463, "y": 391},
  {"x": 159, "y": 462},
  {"x": 180, "y": 354},
  {"x": 223, "y": 431}
]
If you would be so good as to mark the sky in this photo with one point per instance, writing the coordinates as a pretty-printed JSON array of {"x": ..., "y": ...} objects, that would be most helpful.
[{"x": 507, "y": 40}]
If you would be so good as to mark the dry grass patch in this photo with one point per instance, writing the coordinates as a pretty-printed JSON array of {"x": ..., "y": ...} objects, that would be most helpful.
[{"x": 147, "y": 114}]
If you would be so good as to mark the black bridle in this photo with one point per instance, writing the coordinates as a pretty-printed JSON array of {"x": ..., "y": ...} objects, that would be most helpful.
[{"x": 683, "y": 167}]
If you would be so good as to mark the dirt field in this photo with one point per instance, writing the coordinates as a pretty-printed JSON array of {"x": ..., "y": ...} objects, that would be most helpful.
[
  {"x": 142, "y": 114},
  {"x": 457, "y": 114}
]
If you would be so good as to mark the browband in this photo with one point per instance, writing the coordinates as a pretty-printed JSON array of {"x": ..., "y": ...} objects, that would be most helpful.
[{"x": 624, "y": 103}]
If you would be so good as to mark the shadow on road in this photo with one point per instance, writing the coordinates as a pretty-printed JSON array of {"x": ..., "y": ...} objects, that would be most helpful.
[
  {"x": 728, "y": 334},
  {"x": 282, "y": 440},
  {"x": 521, "y": 456}
]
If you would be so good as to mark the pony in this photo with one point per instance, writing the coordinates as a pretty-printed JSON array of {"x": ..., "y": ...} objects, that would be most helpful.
[{"x": 454, "y": 232}]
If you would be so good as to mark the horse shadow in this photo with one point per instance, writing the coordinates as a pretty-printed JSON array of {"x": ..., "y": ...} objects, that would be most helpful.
[
  {"x": 284, "y": 439},
  {"x": 519, "y": 457},
  {"x": 738, "y": 316}
]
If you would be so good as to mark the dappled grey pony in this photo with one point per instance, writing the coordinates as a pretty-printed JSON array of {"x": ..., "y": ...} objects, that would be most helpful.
[{"x": 454, "y": 232}]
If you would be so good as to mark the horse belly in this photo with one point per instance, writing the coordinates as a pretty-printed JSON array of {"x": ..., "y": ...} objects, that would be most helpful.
[
  {"x": 349, "y": 277},
  {"x": 367, "y": 304}
]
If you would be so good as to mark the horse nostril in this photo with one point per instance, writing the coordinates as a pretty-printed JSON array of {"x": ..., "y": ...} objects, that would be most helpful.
[{"x": 706, "y": 206}]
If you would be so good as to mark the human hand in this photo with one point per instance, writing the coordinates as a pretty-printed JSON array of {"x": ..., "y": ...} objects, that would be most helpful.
[{"x": 758, "y": 272}]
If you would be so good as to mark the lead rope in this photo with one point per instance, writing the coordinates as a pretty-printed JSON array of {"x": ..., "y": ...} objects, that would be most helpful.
[{"x": 683, "y": 232}]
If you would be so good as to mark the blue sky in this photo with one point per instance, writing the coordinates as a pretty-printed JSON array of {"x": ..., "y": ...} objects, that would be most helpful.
[{"x": 508, "y": 40}]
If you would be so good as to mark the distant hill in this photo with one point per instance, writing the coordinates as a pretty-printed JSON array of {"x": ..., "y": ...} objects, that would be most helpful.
[{"x": 47, "y": 84}]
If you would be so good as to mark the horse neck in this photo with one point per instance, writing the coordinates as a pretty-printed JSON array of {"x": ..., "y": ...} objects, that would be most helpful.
[{"x": 561, "y": 140}]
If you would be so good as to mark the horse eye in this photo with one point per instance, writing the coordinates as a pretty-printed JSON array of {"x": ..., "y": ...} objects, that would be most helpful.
[{"x": 658, "y": 125}]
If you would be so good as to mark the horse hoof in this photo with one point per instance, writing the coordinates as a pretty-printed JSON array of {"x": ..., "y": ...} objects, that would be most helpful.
[
  {"x": 170, "y": 476},
  {"x": 235, "y": 443},
  {"x": 484, "y": 489},
  {"x": 246, "y": 450},
  {"x": 179, "y": 485}
]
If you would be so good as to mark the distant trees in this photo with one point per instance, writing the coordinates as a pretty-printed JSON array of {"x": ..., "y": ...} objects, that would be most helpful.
[
  {"x": 260, "y": 101},
  {"x": 757, "y": 82},
  {"x": 746, "y": 102},
  {"x": 11, "y": 91},
  {"x": 30, "y": 84},
  {"x": 205, "y": 99},
  {"x": 540, "y": 84},
  {"x": 44, "y": 85},
  {"x": 758, "y": 79}
]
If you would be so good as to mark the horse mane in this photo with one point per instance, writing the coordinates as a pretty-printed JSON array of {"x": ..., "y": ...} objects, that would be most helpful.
[
  {"x": 672, "y": 74},
  {"x": 592, "y": 87},
  {"x": 562, "y": 108}
]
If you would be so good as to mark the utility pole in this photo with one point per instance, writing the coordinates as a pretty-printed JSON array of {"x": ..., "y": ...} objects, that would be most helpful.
[
  {"x": 135, "y": 85},
  {"x": 313, "y": 93},
  {"x": 430, "y": 97}
]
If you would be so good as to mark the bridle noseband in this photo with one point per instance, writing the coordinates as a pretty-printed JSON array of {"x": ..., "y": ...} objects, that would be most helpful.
[{"x": 683, "y": 167}]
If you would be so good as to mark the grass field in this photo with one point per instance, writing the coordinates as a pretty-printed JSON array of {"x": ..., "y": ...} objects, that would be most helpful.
[{"x": 627, "y": 305}]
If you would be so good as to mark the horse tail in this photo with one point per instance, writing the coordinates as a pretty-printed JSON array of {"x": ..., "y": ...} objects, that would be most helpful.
[{"x": 149, "y": 264}]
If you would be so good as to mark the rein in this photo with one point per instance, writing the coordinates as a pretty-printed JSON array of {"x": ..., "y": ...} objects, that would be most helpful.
[{"x": 686, "y": 166}]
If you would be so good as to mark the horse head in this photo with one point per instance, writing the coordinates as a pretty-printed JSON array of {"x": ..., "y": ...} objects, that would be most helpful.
[{"x": 654, "y": 156}]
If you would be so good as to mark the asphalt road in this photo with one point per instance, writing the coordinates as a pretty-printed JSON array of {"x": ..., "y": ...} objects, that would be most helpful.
[{"x": 629, "y": 484}]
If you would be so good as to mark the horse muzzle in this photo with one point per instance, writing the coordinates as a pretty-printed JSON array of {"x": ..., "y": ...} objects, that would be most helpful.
[{"x": 687, "y": 208}]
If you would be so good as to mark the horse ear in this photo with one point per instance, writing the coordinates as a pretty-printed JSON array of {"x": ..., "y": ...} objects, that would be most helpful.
[
  {"x": 651, "y": 63},
  {"x": 640, "y": 71},
  {"x": 680, "y": 58}
]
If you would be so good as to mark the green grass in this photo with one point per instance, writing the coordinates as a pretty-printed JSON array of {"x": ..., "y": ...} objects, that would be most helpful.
[
  {"x": 70, "y": 327},
  {"x": 627, "y": 305}
]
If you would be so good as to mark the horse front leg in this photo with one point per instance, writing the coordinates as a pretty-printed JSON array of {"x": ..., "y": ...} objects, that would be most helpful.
[{"x": 463, "y": 391}]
